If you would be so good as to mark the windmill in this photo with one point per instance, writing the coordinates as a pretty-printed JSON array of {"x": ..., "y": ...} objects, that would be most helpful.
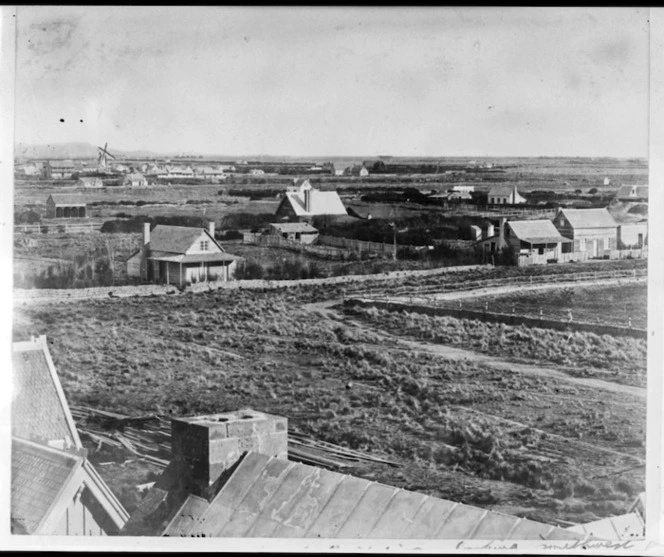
[{"x": 103, "y": 155}]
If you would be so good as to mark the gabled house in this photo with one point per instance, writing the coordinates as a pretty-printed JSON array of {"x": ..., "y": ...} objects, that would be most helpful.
[
  {"x": 591, "y": 230},
  {"x": 505, "y": 195},
  {"x": 230, "y": 476},
  {"x": 356, "y": 170},
  {"x": 181, "y": 255},
  {"x": 65, "y": 206},
  {"x": 633, "y": 193},
  {"x": 89, "y": 182},
  {"x": 299, "y": 231},
  {"x": 135, "y": 179},
  {"x": 303, "y": 201},
  {"x": 55, "y": 490}
]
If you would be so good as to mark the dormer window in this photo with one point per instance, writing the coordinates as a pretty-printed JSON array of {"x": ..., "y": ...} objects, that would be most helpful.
[{"x": 204, "y": 245}]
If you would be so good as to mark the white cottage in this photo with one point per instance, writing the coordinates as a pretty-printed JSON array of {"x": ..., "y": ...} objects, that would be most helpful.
[{"x": 181, "y": 255}]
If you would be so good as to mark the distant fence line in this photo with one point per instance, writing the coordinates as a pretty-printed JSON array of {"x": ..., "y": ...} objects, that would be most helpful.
[
  {"x": 57, "y": 228},
  {"x": 76, "y": 294},
  {"x": 360, "y": 245},
  {"x": 506, "y": 318}
]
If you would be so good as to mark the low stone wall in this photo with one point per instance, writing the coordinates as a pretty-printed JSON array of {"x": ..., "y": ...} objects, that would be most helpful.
[
  {"x": 508, "y": 319},
  {"x": 51, "y": 295}
]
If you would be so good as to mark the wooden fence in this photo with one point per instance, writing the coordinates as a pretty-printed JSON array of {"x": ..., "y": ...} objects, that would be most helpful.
[
  {"x": 580, "y": 256},
  {"x": 360, "y": 245},
  {"x": 59, "y": 228},
  {"x": 294, "y": 245}
]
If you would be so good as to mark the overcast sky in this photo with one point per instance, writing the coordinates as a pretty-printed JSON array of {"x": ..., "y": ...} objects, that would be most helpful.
[{"x": 336, "y": 81}]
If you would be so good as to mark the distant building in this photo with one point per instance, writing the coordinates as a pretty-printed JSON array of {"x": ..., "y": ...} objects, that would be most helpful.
[
  {"x": 463, "y": 188},
  {"x": 54, "y": 170},
  {"x": 134, "y": 180},
  {"x": 89, "y": 182},
  {"x": 303, "y": 201},
  {"x": 633, "y": 193},
  {"x": 591, "y": 230},
  {"x": 504, "y": 195},
  {"x": 356, "y": 170},
  {"x": 65, "y": 207},
  {"x": 181, "y": 255},
  {"x": 257, "y": 172},
  {"x": 299, "y": 231},
  {"x": 55, "y": 490}
]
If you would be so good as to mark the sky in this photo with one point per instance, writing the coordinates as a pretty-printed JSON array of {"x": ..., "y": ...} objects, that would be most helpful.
[{"x": 335, "y": 81}]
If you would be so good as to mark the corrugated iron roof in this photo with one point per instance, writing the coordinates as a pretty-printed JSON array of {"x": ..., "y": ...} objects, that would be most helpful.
[
  {"x": 39, "y": 476},
  {"x": 68, "y": 200},
  {"x": 174, "y": 239},
  {"x": 624, "y": 527},
  {"x": 589, "y": 218},
  {"x": 322, "y": 203},
  {"x": 272, "y": 497},
  {"x": 39, "y": 408},
  {"x": 536, "y": 231},
  {"x": 290, "y": 227}
]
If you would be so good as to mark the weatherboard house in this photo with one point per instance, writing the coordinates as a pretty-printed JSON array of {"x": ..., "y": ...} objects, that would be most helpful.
[
  {"x": 302, "y": 201},
  {"x": 591, "y": 230},
  {"x": 505, "y": 195},
  {"x": 65, "y": 206},
  {"x": 55, "y": 490},
  {"x": 181, "y": 255},
  {"x": 230, "y": 476}
]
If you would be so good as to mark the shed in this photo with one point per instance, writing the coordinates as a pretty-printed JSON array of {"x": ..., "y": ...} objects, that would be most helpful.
[
  {"x": 299, "y": 231},
  {"x": 65, "y": 206}
]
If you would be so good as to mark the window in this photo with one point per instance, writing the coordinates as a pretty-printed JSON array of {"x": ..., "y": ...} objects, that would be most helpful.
[
  {"x": 540, "y": 250},
  {"x": 582, "y": 244},
  {"x": 204, "y": 245}
]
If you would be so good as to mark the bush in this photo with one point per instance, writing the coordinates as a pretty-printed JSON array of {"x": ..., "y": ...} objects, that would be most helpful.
[{"x": 251, "y": 270}]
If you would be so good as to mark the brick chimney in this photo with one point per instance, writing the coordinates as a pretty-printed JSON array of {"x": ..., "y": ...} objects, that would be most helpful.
[
  {"x": 146, "y": 233},
  {"x": 307, "y": 200},
  {"x": 211, "y": 228},
  {"x": 212, "y": 443}
]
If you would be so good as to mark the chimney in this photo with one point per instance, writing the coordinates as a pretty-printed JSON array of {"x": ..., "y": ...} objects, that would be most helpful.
[
  {"x": 211, "y": 228},
  {"x": 146, "y": 233},
  {"x": 211, "y": 444},
  {"x": 489, "y": 230},
  {"x": 501, "y": 227},
  {"x": 307, "y": 200}
]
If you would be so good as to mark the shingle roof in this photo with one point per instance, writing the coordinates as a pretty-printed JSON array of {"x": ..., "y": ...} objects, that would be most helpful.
[
  {"x": 290, "y": 227},
  {"x": 69, "y": 200},
  {"x": 174, "y": 239},
  {"x": 273, "y": 497},
  {"x": 322, "y": 203},
  {"x": 39, "y": 409},
  {"x": 589, "y": 218},
  {"x": 39, "y": 475},
  {"x": 536, "y": 231}
]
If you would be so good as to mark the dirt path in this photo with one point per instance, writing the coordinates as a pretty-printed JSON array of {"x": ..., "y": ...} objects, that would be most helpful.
[
  {"x": 509, "y": 289},
  {"x": 327, "y": 311}
]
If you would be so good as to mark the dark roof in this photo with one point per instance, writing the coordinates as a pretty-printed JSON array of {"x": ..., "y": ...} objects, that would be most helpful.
[
  {"x": 175, "y": 239},
  {"x": 39, "y": 408},
  {"x": 272, "y": 497},
  {"x": 589, "y": 218},
  {"x": 39, "y": 476},
  {"x": 69, "y": 200}
]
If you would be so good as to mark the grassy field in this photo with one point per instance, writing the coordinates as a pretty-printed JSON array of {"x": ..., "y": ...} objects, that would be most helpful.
[
  {"x": 530, "y": 445},
  {"x": 613, "y": 305}
]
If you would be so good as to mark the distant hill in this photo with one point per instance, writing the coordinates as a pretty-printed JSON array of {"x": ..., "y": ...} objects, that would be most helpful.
[{"x": 72, "y": 151}]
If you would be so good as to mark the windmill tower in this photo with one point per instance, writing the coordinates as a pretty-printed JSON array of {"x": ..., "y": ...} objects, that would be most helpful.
[{"x": 104, "y": 155}]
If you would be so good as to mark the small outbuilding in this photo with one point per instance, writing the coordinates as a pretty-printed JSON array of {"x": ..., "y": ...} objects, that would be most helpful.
[
  {"x": 135, "y": 179},
  {"x": 299, "y": 231},
  {"x": 65, "y": 207}
]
